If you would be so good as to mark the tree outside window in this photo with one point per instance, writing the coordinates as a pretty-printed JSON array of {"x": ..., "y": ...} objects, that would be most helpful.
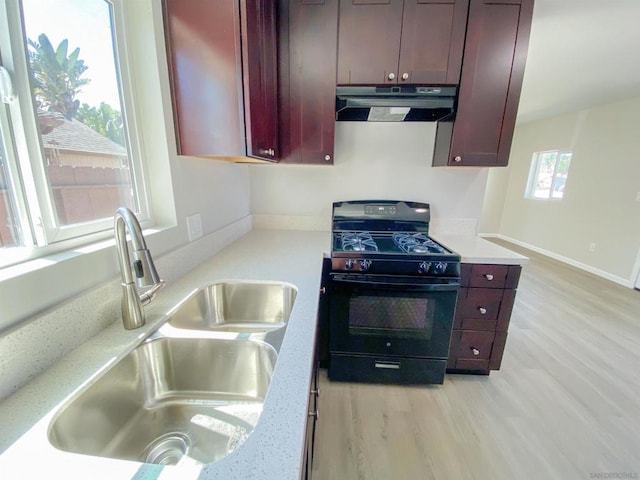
[
  {"x": 75, "y": 158},
  {"x": 548, "y": 175}
]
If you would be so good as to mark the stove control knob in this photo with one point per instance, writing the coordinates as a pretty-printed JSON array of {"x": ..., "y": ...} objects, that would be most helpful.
[
  {"x": 440, "y": 267},
  {"x": 424, "y": 267},
  {"x": 364, "y": 265},
  {"x": 348, "y": 263}
]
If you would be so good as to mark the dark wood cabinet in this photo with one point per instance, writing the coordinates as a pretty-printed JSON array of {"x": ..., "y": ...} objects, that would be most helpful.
[
  {"x": 223, "y": 73},
  {"x": 313, "y": 415},
  {"x": 483, "y": 312},
  {"x": 308, "y": 36},
  {"x": 401, "y": 41},
  {"x": 493, "y": 68},
  {"x": 260, "y": 60}
]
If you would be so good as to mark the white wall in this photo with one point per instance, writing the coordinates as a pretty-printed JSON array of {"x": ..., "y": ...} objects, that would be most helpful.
[
  {"x": 600, "y": 203},
  {"x": 372, "y": 161}
]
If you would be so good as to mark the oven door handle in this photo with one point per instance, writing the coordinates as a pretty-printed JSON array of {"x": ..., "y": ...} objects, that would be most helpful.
[{"x": 405, "y": 285}]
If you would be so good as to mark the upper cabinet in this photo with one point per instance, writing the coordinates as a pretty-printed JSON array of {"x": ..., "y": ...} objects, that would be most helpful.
[
  {"x": 308, "y": 31},
  {"x": 223, "y": 68},
  {"x": 260, "y": 75},
  {"x": 401, "y": 41},
  {"x": 493, "y": 68}
]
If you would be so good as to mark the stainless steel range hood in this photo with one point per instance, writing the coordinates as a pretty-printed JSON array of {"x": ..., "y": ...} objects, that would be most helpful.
[{"x": 395, "y": 103}]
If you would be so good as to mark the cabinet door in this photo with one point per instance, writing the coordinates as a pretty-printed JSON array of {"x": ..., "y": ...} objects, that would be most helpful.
[
  {"x": 307, "y": 76},
  {"x": 490, "y": 84},
  {"x": 206, "y": 82},
  {"x": 369, "y": 41},
  {"x": 260, "y": 62},
  {"x": 432, "y": 41}
]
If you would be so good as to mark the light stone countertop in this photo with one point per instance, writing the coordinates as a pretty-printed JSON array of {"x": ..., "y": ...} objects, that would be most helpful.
[
  {"x": 275, "y": 448},
  {"x": 474, "y": 249}
]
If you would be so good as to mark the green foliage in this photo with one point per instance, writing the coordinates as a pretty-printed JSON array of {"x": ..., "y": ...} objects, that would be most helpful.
[
  {"x": 57, "y": 82},
  {"x": 56, "y": 76},
  {"x": 104, "y": 120}
]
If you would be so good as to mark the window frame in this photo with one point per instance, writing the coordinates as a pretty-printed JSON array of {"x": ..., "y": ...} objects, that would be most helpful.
[
  {"x": 534, "y": 172},
  {"x": 33, "y": 197}
]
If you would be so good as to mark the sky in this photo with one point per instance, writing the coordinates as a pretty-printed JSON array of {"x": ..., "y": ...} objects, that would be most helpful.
[{"x": 86, "y": 24}]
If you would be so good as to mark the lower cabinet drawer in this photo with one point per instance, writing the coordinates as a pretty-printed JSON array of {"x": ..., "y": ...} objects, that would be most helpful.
[
  {"x": 380, "y": 369},
  {"x": 475, "y": 345},
  {"x": 471, "y": 364}
]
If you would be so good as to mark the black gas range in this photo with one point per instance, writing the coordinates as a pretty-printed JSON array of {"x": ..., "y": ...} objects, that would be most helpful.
[
  {"x": 388, "y": 237},
  {"x": 393, "y": 294}
]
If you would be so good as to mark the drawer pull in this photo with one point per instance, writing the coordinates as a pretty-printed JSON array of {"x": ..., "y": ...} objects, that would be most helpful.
[
  {"x": 475, "y": 351},
  {"x": 482, "y": 310},
  {"x": 389, "y": 365},
  {"x": 488, "y": 276}
]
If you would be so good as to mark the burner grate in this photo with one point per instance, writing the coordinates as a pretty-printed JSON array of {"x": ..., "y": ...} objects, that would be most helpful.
[
  {"x": 358, "y": 242},
  {"x": 416, "y": 243}
]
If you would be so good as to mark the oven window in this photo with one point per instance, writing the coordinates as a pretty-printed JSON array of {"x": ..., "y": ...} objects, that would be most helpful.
[{"x": 399, "y": 316}]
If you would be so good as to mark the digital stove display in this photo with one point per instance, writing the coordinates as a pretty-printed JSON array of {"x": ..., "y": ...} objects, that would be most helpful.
[{"x": 380, "y": 209}]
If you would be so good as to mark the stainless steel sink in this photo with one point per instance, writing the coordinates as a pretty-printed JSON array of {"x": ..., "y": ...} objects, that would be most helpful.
[
  {"x": 237, "y": 306},
  {"x": 170, "y": 400}
]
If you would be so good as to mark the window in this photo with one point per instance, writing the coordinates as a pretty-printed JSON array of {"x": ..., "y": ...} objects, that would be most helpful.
[
  {"x": 548, "y": 174},
  {"x": 68, "y": 158}
]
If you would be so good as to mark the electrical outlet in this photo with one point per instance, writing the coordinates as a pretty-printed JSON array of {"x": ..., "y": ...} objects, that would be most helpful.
[
  {"x": 592, "y": 247},
  {"x": 194, "y": 226}
]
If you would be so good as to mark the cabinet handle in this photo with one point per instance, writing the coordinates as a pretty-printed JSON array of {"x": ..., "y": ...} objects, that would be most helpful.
[
  {"x": 457, "y": 158},
  {"x": 323, "y": 290},
  {"x": 488, "y": 276},
  {"x": 388, "y": 365},
  {"x": 327, "y": 158},
  {"x": 405, "y": 76},
  {"x": 316, "y": 392},
  {"x": 475, "y": 351},
  {"x": 392, "y": 76},
  {"x": 315, "y": 414},
  {"x": 267, "y": 152},
  {"x": 482, "y": 310}
]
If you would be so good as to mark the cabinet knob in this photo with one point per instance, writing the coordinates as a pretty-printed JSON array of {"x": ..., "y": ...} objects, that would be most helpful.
[
  {"x": 488, "y": 276},
  {"x": 323, "y": 290},
  {"x": 316, "y": 392},
  {"x": 482, "y": 310},
  {"x": 405, "y": 76},
  {"x": 327, "y": 158},
  {"x": 391, "y": 76},
  {"x": 457, "y": 158},
  {"x": 475, "y": 351},
  {"x": 315, "y": 414}
]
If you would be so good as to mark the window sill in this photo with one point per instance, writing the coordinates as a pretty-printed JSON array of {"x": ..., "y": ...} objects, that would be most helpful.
[{"x": 18, "y": 261}]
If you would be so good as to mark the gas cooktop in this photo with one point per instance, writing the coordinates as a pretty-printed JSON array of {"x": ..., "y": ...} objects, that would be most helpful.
[{"x": 388, "y": 237}]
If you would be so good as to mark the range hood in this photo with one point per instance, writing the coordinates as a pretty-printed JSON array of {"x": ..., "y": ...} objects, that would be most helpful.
[{"x": 395, "y": 103}]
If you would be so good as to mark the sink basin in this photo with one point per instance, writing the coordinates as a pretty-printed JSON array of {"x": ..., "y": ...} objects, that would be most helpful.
[
  {"x": 170, "y": 400},
  {"x": 237, "y": 306}
]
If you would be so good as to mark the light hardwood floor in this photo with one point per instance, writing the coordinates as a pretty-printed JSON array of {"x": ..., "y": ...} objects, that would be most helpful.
[{"x": 565, "y": 404}]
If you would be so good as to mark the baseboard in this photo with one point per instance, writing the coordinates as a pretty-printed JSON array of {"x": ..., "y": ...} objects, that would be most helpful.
[{"x": 625, "y": 282}]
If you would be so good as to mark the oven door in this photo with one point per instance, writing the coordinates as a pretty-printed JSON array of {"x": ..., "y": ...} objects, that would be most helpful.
[{"x": 388, "y": 315}]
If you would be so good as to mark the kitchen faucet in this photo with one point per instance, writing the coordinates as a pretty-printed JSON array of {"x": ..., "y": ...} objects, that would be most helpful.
[{"x": 145, "y": 270}]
